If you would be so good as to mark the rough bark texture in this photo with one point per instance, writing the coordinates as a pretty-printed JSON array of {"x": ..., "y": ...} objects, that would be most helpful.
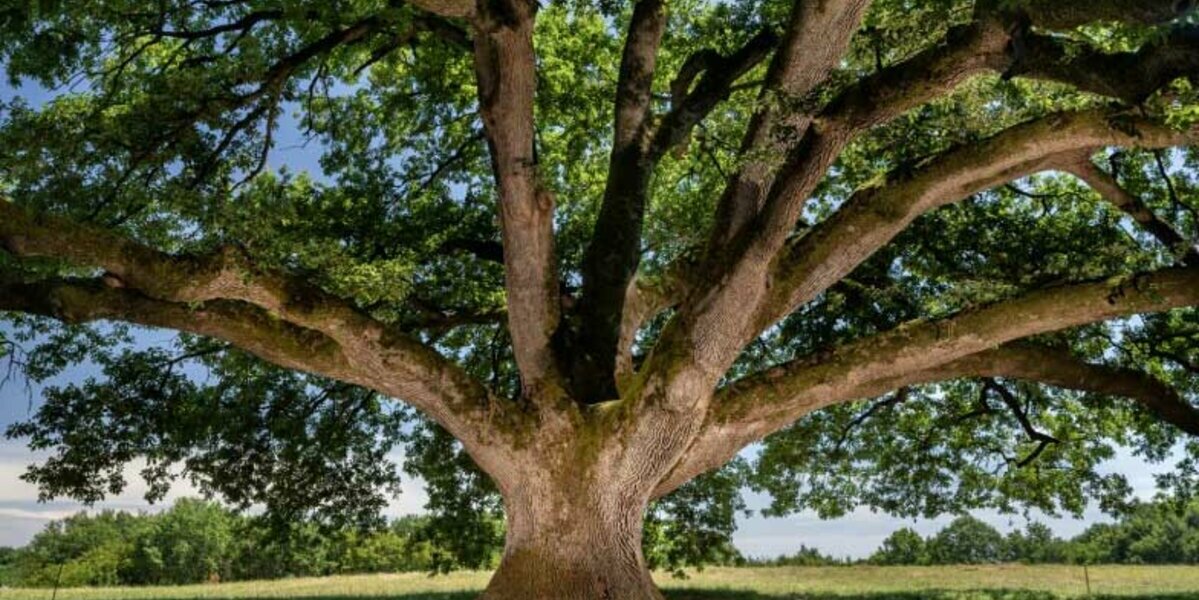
[{"x": 572, "y": 538}]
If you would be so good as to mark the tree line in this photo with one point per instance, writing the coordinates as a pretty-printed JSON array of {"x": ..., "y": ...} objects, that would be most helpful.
[
  {"x": 197, "y": 541},
  {"x": 1161, "y": 532}
]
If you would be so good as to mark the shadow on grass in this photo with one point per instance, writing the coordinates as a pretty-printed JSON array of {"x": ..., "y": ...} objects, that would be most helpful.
[
  {"x": 991, "y": 594},
  {"x": 751, "y": 595}
]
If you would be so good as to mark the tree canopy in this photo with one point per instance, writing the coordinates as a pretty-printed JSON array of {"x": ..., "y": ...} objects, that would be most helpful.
[{"x": 937, "y": 255}]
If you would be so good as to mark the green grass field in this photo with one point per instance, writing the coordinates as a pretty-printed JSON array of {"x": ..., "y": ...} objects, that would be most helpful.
[{"x": 1001, "y": 582}]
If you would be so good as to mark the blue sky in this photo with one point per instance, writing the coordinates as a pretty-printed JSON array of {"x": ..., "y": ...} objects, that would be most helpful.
[{"x": 21, "y": 515}]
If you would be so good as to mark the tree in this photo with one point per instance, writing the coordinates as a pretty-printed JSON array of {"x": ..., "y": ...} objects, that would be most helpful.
[
  {"x": 903, "y": 547},
  {"x": 534, "y": 223},
  {"x": 966, "y": 541},
  {"x": 1035, "y": 545}
]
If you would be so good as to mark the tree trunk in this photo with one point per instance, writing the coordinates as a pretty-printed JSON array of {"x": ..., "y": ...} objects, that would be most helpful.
[{"x": 572, "y": 539}]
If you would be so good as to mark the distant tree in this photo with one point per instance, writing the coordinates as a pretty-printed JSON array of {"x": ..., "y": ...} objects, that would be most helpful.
[
  {"x": 83, "y": 549},
  {"x": 966, "y": 540},
  {"x": 805, "y": 557},
  {"x": 190, "y": 543},
  {"x": 1163, "y": 532},
  {"x": 1035, "y": 545},
  {"x": 903, "y": 547},
  {"x": 8, "y": 565}
]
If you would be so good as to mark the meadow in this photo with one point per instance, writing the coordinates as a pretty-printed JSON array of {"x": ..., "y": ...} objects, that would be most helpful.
[{"x": 991, "y": 582}]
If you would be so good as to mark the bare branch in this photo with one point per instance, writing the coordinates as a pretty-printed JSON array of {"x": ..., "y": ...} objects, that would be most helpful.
[{"x": 1043, "y": 440}]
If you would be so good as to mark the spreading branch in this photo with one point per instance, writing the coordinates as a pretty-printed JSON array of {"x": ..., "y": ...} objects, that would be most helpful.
[
  {"x": 816, "y": 38},
  {"x": 611, "y": 261},
  {"x": 920, "y": 352},
  {"x": 390, "y": 360},
  {"x": 873, "y": 216}
]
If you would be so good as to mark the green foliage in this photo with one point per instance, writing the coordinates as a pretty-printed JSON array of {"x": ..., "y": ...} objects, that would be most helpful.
[
  {"x": 197, "y": 541},
  {"x": 172, "y": 142},
  {"x": 967, "y": 541},
  {"x": 902, "y": 547},
  {"x": 1161, "y": 532}
]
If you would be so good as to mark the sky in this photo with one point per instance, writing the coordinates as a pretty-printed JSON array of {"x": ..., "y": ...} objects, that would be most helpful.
[{"x": 856, "y": 535}]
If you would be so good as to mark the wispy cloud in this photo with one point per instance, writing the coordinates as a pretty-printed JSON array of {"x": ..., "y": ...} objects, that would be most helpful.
[{"x": 36, "y": 515}]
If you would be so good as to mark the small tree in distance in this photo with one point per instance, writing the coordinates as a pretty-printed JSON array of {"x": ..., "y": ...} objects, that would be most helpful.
[
  {"x": 903, "y": 547},
  {"x": 939, "y": 255}
]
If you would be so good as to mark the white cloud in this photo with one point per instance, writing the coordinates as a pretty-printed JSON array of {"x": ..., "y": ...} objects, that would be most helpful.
[{"x": 37, "y": 515}]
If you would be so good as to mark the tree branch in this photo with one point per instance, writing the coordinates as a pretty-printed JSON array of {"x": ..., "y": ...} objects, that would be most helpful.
[
  {"x": 589, "y": 342},
  {"x": 719, "y": 74},
  {"x": 774, "y": 398},
  {"x": 447, "y": 8},
  {"x": 1131, "y": 76},
  {"x": 1105, "y": 184},
  {"x": 1043, "y": 439},
  {"x": 1055, "y": 14},
  {"x": 612, "y": 258},
  {"x": 816, "y": 39},
  {"x": 247, "y": 327},
  {"x": 985, "y": 45},
  {"x": 873, "y": 216},
  {"x": 392, "y": 361},
  {"x": 506, "y": 73},
  {"x": 958, "y": 346}
]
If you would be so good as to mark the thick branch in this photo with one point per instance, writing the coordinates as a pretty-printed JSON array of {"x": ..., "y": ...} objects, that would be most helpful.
[
  {"x": 925, "y": 352},
  {"x": 1056, "y": 14},
  {"x": 969, "y": 50},
  {"x": 816, "y": 39},
  {"x": 615, "y": 252},
  {"x": 447, "y": 8},
  {"x": 1131, "y": 77},
  {"x": 773, "y": 399},
  {"x": 245, "y": 326},
  {"x": 612, "y": 257},
  {"x": 506, "y": 73},
  {"x": 875, "y": 215},
  {"x": 396, "y": 363},
  {"x": 1058, "y": 368}
]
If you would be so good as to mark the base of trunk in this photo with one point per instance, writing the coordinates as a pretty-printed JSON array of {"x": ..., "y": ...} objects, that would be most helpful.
[
  {"x": 564, "y": 543},
  {"x": 534, "y": 576}
]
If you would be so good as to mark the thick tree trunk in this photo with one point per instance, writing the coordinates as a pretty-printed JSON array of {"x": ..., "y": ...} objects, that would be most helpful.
[{"x": 570, "y": 539}]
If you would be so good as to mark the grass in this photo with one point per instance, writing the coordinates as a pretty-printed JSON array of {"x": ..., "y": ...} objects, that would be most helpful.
[{"x": 999, "y": 582}]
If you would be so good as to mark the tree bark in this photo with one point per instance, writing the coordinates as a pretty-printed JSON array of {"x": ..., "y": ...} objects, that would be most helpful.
[{"x": 572, "y": 538}]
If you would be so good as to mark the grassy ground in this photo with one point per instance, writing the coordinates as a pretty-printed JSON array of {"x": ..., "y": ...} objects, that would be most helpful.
[{"x": 1003, "y": 582}]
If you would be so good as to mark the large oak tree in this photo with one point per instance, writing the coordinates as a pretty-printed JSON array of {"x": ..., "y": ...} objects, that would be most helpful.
[{"x": 942, "y": 253}]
